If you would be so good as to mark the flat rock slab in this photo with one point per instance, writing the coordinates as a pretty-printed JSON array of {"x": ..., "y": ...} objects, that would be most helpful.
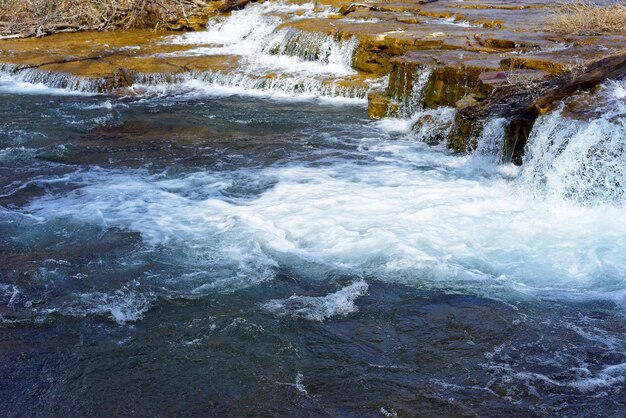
[
  {"x": 103, "y": 55},
  {"x": 505, "y": 41}
]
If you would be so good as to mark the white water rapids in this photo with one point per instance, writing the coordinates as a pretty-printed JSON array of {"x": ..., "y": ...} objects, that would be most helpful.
[
  {"x": 413, "y": 214},
  {"x": 274, "y": 61},
  {"x": 250, "y": 241}
]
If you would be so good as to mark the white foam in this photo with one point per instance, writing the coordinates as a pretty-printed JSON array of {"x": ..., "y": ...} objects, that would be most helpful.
[
  {"x": 453, "y": 20},
  {"x": 412, "y": 214},
  {"x": 340, "y": 303},
  {"x": 298, "y": 385},
  {"x": 9, "y": 294},
  {"x": 455, "y": 223},
  {"x": 309, "y": 64},
  {"x": 582, "y": 160},
  {"x": 21, "y": 83},
  {"x": 586, "y": 382},
  {"x": 122, "y": 306},
  {"x": 244, "y": 27},
  {"x": 396, "y": 125},
  {"x": 433, "y": 122}
]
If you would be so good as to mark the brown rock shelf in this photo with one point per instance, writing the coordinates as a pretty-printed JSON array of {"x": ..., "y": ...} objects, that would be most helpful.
[{"x": 486, "y": 58}]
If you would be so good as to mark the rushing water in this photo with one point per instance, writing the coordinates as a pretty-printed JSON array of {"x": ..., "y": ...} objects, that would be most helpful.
[{"x": 246, "y": 251}]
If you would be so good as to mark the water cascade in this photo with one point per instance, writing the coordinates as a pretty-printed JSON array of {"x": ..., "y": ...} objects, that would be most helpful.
[
  {"x": 226, "y": 230},
  {"x": 273, "y": 59},
  {"x": 14, "y": 78},
  {"x": 491, "y": 140},
  {"x": 407, "y": 88},
  {"x": 581, "y": 158},
  {"x": 270, "y": 60}
]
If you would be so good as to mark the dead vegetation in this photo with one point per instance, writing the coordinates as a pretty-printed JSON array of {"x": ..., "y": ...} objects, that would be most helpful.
[
  {"x": 24, "y": 18},
  {"x": 584, "y": 17}
]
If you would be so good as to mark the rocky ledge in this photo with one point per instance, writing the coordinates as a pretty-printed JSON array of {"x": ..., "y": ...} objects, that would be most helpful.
[{"x": 483, "y": 58}]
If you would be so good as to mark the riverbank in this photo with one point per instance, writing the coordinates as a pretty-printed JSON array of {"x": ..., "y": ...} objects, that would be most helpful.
[{"x": 37, "y": 18}]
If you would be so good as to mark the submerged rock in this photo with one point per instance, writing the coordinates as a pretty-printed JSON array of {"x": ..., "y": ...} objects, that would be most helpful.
[{"x": 434, "y": 128}]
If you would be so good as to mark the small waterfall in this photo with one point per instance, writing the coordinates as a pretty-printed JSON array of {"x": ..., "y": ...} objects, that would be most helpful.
[
  {"x": 408, "y": 88},
  {"x": 406, "y": 85},
  {"x": 308, "y": 46},
  {"x": 272, "y": 59},
  {"x": 433, "y": 126},
  {"x": 217, "y": 83},
  {"x": 420, "y": 79},
  {"x": 491, "y": 141},
  {"x": 7, "y": 68},
  {"x": 581, "y": 159},
  {"x": 52, "y": 80},
  {"x": 62, "y": 81}
]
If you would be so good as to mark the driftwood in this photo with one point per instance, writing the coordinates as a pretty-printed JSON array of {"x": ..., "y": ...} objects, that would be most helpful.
[
  {"x": 346, "y": 10},
  {"x": 511, "y": 97},
  {"x": 230, "y": 5}
]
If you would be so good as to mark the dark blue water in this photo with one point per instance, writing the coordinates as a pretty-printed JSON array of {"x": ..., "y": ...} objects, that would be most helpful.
[{"x": 245, "y": 256}]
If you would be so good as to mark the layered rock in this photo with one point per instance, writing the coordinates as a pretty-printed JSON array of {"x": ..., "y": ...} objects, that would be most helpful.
[
  {"x": 484, "y": 58},
  {"x": 494, "y": 63}
]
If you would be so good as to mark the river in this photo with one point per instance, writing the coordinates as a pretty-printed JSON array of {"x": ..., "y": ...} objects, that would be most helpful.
[{"x": 212, "y": 247}]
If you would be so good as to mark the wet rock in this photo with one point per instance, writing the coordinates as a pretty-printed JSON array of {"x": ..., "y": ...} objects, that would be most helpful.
[
  {"x": 380, "y": 105},
  {"x": 409, "y": 20},
  {"x": 433, "y": 129},
  {"x": 466, "y": 131},
  {"x": 347, "y": 9},
  {"x": 453, "y": 75},
  {"x": 516, "y": 135}
]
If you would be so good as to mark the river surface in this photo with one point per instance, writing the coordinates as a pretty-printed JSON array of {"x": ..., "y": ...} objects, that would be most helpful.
[{"x": 227, "y": 249}]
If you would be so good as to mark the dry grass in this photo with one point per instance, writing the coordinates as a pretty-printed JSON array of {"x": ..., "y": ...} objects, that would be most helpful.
[
  {"x": 585, "y": 17},
  {"x": 41, "y": 17}
]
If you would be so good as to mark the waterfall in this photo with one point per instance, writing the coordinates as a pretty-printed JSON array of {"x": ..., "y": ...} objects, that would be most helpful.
[
  {"x": 408, "y": 89},
  {"x": 324, "y": 49},
  {"x": 581, "y": 159},
  {"x": 414, "y": 100},
  {"x": 491, "y": 140},
  {"x": 271, "y": 60},
  {"x": 34, "y": 79},
  {"x": 217, "y": 83},
  {"x": 62, "y": 81},
  {"x": 433, "y": 126}
]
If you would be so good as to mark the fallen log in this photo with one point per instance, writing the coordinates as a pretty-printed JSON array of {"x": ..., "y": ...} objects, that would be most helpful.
[
  {"x": 521, "y": 96},
  {"x": 230, "y": 5},
  {"x": 346, "y": 10},
  {"x": 513, "y": 93}
]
